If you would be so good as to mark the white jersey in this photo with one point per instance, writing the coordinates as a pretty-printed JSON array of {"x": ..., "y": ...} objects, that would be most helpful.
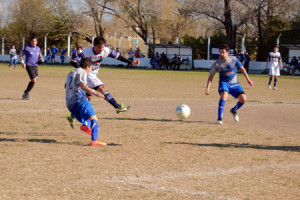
[
  {"x": 96, "y": 58},
  {"x": 274, "y": 59},
  {"x": 74, "y": 93},
  {"x": 13, "y": 54}
]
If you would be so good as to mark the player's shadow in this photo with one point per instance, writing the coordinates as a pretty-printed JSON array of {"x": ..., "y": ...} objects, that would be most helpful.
[
  {"x": 243, "y": 146},
  {"x": 155, "y": 120},
  {"x": 27, "y": 140},
  {"x": 49, "y": 141}
]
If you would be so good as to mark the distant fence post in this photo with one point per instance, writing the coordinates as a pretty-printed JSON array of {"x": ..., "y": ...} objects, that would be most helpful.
[
  {"x": 208, "y": 48},
  {"x": 147, "y": 53},
  {"x": 23, "y": 43},
  {"x": 3, "y": 44},
  {"x": 45, "y": 52},
  {"x": 69, "y": 43}
]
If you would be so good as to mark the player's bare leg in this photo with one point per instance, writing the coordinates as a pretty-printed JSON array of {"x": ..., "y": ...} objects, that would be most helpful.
[{"x": 240, "y": 103}]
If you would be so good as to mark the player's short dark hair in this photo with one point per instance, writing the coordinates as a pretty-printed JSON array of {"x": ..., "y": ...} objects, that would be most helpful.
[
  {"x": 85, "y": 62},
  {"x": 99, "y": 40},
  {"x": 224, "y": 46},
  {"x": 33, "y": 36},
  {"x": 276, "y": 46}
]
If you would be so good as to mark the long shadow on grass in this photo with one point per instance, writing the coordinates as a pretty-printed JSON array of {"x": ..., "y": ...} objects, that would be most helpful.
[
  {"x": 49, "y": 141},
  {"x": 27, "y": 140},
  {"x": 156, "y": 120},
  {"x": 244, "y": 146}
]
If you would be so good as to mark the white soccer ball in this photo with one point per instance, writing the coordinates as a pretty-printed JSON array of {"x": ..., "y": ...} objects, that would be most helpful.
[{"x": 183, "y": 111}]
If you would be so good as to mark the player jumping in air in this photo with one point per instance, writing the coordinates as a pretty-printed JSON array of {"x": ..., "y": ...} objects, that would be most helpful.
[
  {"x": 97, "y": 53},
  {"x": 77, "y": 103},
  {"x": 273, "y": 61},
  {"x": 227, "y": 67}
]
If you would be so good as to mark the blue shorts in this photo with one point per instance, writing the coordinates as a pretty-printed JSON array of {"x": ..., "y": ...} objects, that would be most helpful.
[
  {"x": 53, "y": 56},
  {"x": 235, "y": 89},
  {"x": 82, "y": 111},
  {"x": 13, "y": 60}
]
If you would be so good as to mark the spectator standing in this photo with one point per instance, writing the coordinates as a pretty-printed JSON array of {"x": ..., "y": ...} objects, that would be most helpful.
[
  {"x": 62, "y": 55},
  {"x": 130, "y": 57},
  {"x": 54, "y": 51},
  {"x": 33, "y": 56},
  {"x": 79, "y": 50},
  {"x": 74, "y": 52},
  {"x": 48, "y": 55},
  {"x": 138, "y": 53},
  {"x": 246, "y": 62},
  {"x": 13, "y": 57}
]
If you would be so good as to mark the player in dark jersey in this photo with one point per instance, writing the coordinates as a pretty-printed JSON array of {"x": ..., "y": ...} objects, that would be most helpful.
[{"x": 33, "y": 56}]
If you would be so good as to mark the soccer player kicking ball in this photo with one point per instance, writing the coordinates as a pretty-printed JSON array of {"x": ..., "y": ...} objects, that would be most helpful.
[
  {"x": 77, "y": 103},
  {"x": 227, "y": 67},
  {"x": 97, "y": 53},
  {"x": 273, "y": 61}
]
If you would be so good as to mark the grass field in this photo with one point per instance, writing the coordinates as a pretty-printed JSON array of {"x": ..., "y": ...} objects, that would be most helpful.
[{"x": 151, "y": 154}]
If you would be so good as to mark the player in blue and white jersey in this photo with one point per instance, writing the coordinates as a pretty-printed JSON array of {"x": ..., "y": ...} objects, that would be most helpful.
[
  {"x": 54, "y": 51},
  {"x": 274, "y": 63},
  {"x": 227, "y": 67},
  {"x": 77, "y": 103},
  {"x": 97, "y": 53},
  {"x": 33, "y": 55},
  {"x": 13, "y": 57}
]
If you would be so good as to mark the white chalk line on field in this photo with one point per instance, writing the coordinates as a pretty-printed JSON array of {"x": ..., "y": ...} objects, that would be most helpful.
[{"x": 139, "y": 181}]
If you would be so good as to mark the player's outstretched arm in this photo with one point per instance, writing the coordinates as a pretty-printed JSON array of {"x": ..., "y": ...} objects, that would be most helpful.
[
  {"x": 125, "y": 60},
  {"x": 209, "y": 81},
  {"x": 88, "y": 90},
  {"x": 244, "y": 72}
]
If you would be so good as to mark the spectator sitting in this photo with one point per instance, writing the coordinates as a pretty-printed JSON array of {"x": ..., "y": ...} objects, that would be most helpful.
[
  {"x": 296, "y": 67},
  {"x": 294, "y": 62},
  {"x": 164, "y": 60},
  {"x": 178, "y": 63},
  {"x": 172, "y": 62}
]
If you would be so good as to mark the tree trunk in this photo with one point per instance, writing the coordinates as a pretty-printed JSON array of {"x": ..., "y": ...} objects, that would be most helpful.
[{"x": 230, "y": 29}]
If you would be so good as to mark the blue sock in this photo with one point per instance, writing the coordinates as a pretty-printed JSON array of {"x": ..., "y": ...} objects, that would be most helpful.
[
  {"x": 237, "y": 106},
  {"x": 87, "y": 123},
  {"x": 95, "y": 129},
  {"x": 221, "y": 109},
  {"x": 110, "y": 99}
]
